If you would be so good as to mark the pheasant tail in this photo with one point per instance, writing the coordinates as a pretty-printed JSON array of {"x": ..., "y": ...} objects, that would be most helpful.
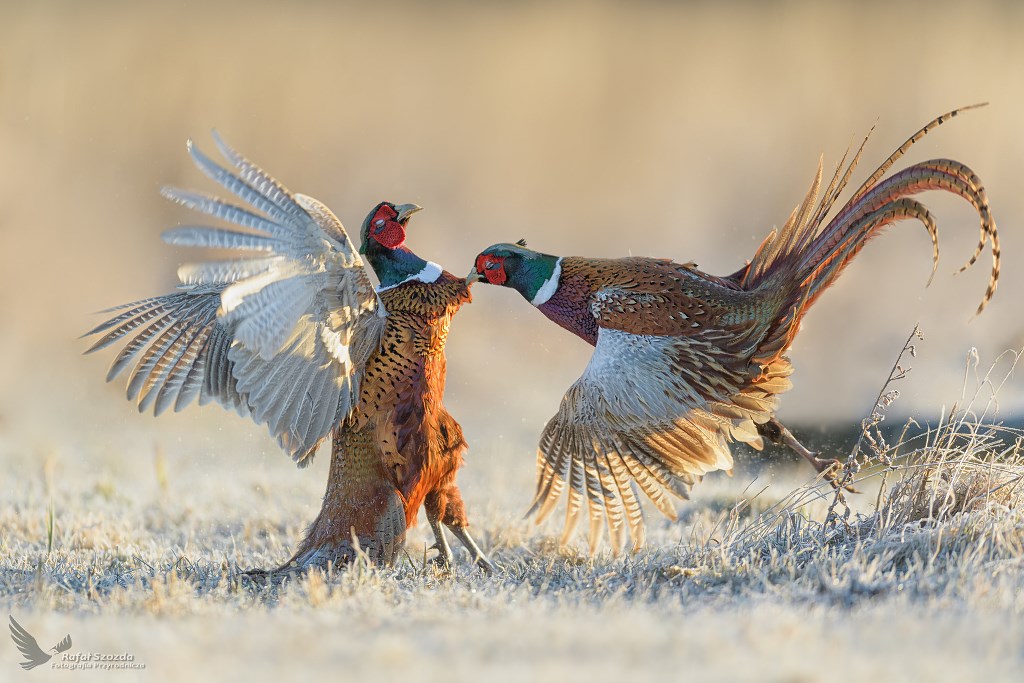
[{"x": 808, "y": 260}]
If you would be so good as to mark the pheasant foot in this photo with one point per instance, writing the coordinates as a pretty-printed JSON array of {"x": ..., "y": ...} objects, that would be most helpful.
[
  {"x": 829, "y": 468},
  {"x": 444, "y": 557},
  {"x": 479, "y": 558}
]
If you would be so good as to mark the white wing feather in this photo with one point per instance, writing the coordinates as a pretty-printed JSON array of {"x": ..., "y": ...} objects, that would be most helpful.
[{"x": 267, "y": 334}]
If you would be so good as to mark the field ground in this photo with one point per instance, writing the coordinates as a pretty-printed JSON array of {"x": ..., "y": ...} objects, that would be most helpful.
[
  {"x": 749, "y": 584},
  {"x": 673, "y": 129}
]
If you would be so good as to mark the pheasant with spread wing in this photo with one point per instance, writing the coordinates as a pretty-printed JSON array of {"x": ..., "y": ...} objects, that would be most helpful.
[
  {"x": 686, "y": 362},
  {"x": 294, "y": 335}
]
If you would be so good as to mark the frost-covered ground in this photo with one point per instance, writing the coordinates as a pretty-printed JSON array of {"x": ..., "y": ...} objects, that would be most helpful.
[
  {"x": 683, "y": 130},
  {"x": 761, "y": 579}
]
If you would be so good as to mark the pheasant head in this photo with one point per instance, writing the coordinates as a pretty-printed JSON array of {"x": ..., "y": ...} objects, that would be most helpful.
[
  {"x": 383, "y": 233},
  {"x": 531, "y": 273},
  {"x": 384, "y": 227}
]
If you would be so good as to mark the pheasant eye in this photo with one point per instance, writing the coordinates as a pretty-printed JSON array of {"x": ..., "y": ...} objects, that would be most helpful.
[
  {"x": 492, "y": 265},
  {"x": 379, "y": 223}
]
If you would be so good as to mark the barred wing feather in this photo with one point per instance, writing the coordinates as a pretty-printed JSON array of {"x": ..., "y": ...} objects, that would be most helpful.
[
  {"x": 653, "y": 413},
  {"x": 268, "y": 334}
]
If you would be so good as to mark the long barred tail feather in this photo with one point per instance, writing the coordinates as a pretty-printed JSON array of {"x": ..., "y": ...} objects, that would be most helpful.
[
  {"x": 808, "y": 258},
  {"x": 888, "y": 202},
  {"x": 895, "y": 156}
]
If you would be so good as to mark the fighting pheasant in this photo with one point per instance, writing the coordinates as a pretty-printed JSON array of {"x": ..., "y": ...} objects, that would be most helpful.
[
  {"x": 295, "y": 336},
  {"x": 686, "y": 362}
]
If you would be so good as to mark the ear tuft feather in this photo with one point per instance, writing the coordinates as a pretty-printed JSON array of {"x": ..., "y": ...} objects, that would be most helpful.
[{"x": 521, "y": 243}]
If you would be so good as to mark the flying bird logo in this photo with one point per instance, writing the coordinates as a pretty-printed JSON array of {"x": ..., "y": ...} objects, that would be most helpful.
[{"x": 34, "y": 655}]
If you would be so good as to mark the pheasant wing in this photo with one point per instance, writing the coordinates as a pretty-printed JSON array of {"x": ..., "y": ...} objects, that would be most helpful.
[
  {"x": 269, "y": 334},
  {"x": 647, "y": 296},
  {"x": 649, "y": 412}
]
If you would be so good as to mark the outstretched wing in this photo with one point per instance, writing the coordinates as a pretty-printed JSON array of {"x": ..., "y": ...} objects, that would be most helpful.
[
  {"x": 28, "y": 646},
  {"x": 268, "y": 334},
  {"x": 654, "y": 412},
  {"x": 64, "y": 644}
]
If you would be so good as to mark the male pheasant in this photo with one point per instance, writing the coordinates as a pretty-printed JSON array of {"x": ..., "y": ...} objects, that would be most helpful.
[
  {"x": 295, "y": 336},
  {"x": 686, "y": 362}
]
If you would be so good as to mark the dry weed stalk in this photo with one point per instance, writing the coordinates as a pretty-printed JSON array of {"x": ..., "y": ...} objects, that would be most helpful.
[{"x": 967, "y": 464}]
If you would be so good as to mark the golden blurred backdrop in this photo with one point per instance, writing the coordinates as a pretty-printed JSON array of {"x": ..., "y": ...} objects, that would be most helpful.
[{"x": 683, "y": 130}]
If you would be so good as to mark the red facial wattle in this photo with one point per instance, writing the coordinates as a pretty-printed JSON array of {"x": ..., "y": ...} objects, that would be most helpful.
[
  {"x": 492, "y": 267},
  {"x": 385, "y": 228}
]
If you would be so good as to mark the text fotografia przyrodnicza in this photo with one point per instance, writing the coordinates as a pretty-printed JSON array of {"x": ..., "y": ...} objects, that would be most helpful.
[{"x": 97, "y": 660}]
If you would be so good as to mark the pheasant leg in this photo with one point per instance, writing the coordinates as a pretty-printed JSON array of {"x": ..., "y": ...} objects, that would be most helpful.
[
  {"x": 444, "y": 557},
  {"x": 462, "y": 533},
  {"x": 779, "y": 434}
]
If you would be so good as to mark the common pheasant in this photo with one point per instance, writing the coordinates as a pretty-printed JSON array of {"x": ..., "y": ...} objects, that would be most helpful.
[
  {"x": 295, "y": 336},
  {"x": 686, "y": 362}
]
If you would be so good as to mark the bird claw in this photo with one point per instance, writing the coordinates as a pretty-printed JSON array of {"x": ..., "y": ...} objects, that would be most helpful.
[
  {"x": 441, "y": 561},
  {"x": 831, "y": 470},
  {"x": 444, "y": 558},
  {"x": 262, "y": 578},
  {"x": 479, "y": 558}
]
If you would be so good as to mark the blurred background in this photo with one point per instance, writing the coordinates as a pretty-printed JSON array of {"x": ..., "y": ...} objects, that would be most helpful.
[{"x": 672, "y": 129}]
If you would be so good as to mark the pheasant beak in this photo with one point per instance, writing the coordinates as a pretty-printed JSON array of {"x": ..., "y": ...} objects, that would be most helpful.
[
  {"x": 406, "y": 210},
  {"x": 474, "y": 276}
]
